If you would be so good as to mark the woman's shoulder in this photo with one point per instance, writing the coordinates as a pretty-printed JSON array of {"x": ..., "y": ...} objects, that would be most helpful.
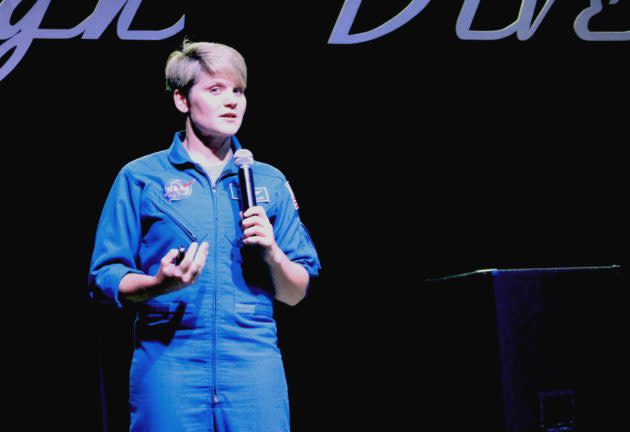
[
  {"x": 262, "y": 168},
  {"x": 147, "y": 163}
]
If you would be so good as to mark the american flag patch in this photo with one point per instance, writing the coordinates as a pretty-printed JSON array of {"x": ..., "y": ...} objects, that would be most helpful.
[{"x": 292, "y": 195}]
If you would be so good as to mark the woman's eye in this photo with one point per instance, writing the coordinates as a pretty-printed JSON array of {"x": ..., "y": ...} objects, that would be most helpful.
[
  {"x": 239, "y": 90},
  {"x": 215, "y": 90}
]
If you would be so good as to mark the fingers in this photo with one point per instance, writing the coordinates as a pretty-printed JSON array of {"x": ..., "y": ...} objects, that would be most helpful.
[
  {"x": 255, "y": 216},
  {"x": 168, "y": 267},
  {"x": 258, "y": 236},
  {"x": 172, "y": 277},
  {"x": 169, "y": 257},
  {"x": 188, "y": 258},
  {"x": 191, "y": 265},
  {"x": 254, "y": 211},
  {"x": 196, "y": 267},
  {"x": 255, "y": 231},
  {"x": 257, "y": 228},
  {"x": 254, "y": 220}
]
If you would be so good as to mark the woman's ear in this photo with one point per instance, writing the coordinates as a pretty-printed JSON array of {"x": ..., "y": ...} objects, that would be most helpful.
[{"x": 181, "y": 101}]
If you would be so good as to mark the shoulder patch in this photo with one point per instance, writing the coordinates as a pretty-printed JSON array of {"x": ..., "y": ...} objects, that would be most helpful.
[{"x": 292, "y": 195}]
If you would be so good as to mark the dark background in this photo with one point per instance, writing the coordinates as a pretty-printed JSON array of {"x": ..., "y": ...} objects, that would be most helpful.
[{"x": 413, "y": 155}]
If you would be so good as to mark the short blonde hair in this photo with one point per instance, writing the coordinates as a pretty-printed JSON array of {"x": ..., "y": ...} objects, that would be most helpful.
[{"x": 183, "y": 66}]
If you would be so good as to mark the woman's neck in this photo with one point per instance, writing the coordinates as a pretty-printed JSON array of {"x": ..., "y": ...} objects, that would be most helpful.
[{"x": 207, "y": 150}]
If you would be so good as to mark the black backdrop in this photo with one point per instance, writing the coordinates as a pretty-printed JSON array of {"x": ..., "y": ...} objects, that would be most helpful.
[{"x": 413, "y": 155}]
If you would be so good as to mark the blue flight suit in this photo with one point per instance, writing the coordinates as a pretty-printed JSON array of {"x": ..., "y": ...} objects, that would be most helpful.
[{"x": 206, "y": 356}]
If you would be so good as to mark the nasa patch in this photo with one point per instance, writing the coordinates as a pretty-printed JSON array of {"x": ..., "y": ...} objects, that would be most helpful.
[{"x": 176, "y": 189}]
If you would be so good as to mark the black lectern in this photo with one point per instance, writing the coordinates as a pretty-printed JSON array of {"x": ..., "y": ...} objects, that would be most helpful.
[{"x": 525, "y": 350}]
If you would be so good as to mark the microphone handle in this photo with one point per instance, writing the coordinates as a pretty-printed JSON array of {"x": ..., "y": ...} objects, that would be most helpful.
[{"x": 247, "y": 188}]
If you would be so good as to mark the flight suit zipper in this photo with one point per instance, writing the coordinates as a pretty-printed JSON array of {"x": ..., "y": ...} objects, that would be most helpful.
[
  {"x": 215, "y": 397},
  {"x": 215, "y": 229}
]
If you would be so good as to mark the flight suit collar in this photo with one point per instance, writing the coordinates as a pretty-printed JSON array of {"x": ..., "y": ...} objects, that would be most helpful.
[{"x": 178, "y": 155}]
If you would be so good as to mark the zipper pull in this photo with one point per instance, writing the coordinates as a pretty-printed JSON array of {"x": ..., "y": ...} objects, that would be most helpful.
[{"x": 215, "y": 398}]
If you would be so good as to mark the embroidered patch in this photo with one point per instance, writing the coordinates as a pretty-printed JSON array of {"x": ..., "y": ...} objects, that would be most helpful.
[
  {"x": 262, "y": 194},
  {"x": 292, "y": 195},
  {"x": 177, "y": 189},
  {"x": 234, "y": 190}
]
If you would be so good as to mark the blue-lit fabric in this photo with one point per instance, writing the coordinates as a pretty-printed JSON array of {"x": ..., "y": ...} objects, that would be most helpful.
[{"x": 219, "y": 334}]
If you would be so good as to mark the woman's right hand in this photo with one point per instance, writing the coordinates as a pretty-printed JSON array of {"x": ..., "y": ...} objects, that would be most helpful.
[{"x": 170, "y": 276}]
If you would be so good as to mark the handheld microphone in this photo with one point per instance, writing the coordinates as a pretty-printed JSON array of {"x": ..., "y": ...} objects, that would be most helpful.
[
  {"x": 254, "y": 268},
  {"x": 244, "y": 160}
]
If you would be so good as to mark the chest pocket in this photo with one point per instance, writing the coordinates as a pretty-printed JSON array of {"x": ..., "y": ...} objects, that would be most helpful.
[{"x": 168, "y": 216}]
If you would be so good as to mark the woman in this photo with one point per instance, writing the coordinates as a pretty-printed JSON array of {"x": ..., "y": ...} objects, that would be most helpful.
[{"x": 206, "y": 355}]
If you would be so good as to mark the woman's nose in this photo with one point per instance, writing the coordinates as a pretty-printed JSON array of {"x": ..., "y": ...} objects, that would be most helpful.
[{"x": 231, "y": 99}]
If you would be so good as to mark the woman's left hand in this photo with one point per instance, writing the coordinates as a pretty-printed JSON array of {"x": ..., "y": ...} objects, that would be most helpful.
[{"x": 257, "y": 230}]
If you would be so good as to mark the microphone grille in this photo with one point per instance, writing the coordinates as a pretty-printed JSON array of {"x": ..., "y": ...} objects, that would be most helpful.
[{"x": 243, "y": 157}]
